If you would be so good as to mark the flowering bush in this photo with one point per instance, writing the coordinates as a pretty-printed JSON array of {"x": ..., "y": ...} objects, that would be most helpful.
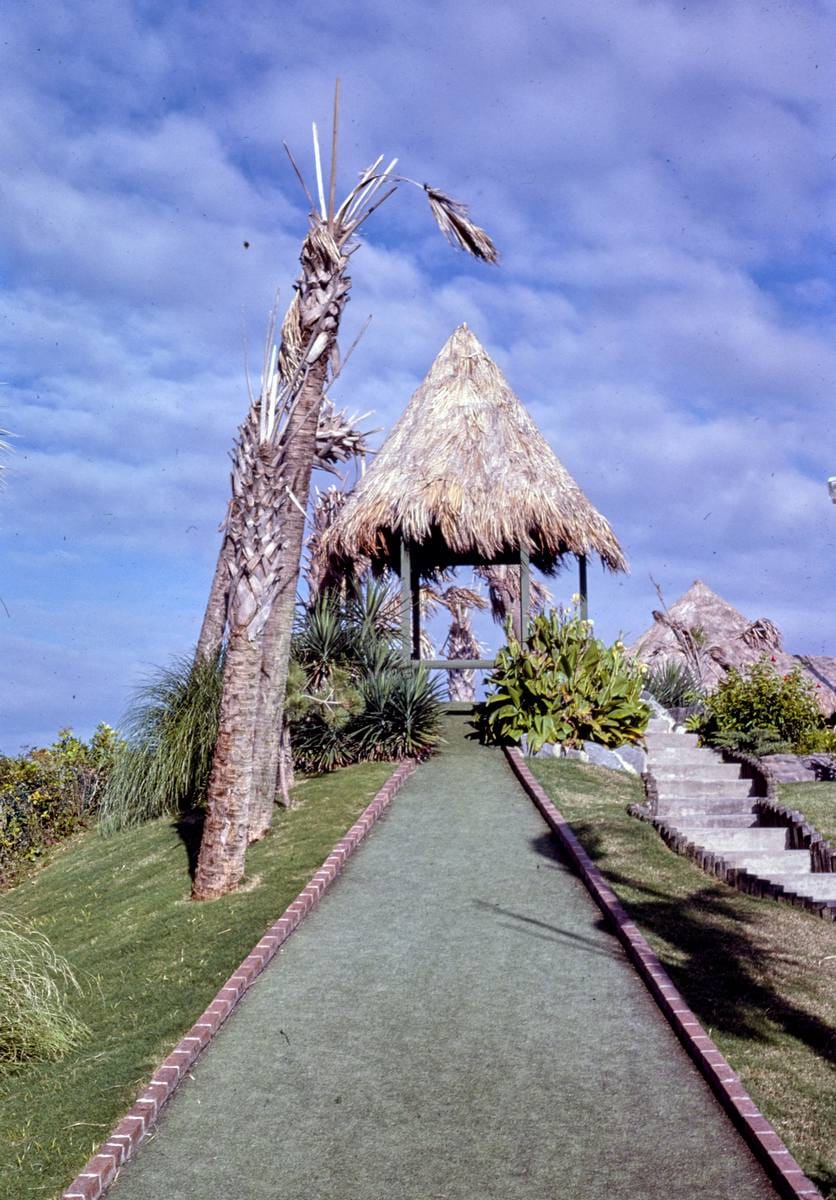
[
  {"x": 564, "y": 685},
  {"x": 760, "y": 710},
  {"x": 48, "y": 793}
]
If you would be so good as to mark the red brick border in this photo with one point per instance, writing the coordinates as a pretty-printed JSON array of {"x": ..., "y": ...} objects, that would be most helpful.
[
  {"x": 767, "y": 1146},
  {"x": 102, "y": 1169}
]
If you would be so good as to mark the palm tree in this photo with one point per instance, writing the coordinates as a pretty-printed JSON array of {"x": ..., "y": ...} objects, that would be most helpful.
[
  {"x": 461, "y": 640},
  {"x": 264, "y": 528},
  {"x": 504, "y": 593}
]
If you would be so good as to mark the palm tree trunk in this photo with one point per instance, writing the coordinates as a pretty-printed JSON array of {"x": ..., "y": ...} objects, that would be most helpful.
[
  {"x": 214, "y": 619},
  {"x": 279, "y": 628},
  {"x": 224, "y": 843}
]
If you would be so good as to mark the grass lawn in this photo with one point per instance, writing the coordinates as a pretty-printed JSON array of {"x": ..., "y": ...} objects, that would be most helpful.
[
  {"x": 818, "y": 803},
  {"x": 149, "y": 961},
  {"x": 760, "y": 976}
]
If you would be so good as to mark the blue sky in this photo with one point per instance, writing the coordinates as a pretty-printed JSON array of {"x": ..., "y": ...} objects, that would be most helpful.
[{"x": 660, "y": 179}]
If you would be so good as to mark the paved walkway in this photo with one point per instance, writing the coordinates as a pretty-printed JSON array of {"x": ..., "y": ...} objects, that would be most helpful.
[{"x": 451, "y": 1023}]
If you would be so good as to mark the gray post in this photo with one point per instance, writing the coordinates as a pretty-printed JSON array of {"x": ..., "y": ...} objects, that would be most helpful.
[
  {"x": 406, "y": 600},
  {"x": 525, "y": 592},
  {"x": 582, "y": 587}
]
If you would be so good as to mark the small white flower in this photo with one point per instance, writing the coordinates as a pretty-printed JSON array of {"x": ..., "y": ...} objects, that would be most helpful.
[{"x": 576, "y": 598}]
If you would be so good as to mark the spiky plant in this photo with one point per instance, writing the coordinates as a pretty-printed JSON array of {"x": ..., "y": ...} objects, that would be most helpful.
[
  {"x": 264, "y": 527},
  {"x": 36, "y": 1022},
  {"x": 401, "y": 715},
  {"x": 672, "y": 684},
  {"x": 171, "y": 727}
]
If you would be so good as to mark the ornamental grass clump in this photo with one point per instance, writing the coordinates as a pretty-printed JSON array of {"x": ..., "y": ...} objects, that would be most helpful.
[
  {"x": 564, "y": 685},
  {"x": 36, "y": 1023},
  {"x": 172, "y": 725},
  {"x": 761, "y": 711}
]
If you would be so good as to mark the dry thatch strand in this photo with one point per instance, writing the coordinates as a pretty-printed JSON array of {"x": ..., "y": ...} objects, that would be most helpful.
[
  {"x": 702, "y": 623},
  {"x": 454, "y": 222},
  {"x": 466, "y": 471}
]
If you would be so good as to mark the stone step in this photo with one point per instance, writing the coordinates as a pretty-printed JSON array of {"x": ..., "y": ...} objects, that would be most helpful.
[
  {"x": 758, "y": 840},
  {"x": 660, "y": 725},
  {"x": 818, "y": 886},
  {"x": 703, "y": 807},
  {"x": 659, "y": 739},
  {"x": 690, "y": 760},
  {"x": 711, "y": 768},
  {"x": 784, "y": 862},
  {"x": 690, "y": 788},
  {"x": 736, "y": 820}
]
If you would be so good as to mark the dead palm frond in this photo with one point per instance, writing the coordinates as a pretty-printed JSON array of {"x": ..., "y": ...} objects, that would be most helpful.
[{"x": 454, "y": 222}]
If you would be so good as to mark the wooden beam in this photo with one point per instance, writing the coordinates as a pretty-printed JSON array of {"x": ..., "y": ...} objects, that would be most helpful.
[
  {"x": 456, "y": 664},
  {"x": 582, "y": 587},
  {"x": 406, "y": 600},
  {"x": 525, "y": 592},
  {"x": 415, "y": 592}
]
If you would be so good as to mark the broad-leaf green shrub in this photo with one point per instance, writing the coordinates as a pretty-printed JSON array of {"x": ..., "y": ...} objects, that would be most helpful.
[
  {"x": 564, "y": 685},
  {"x": 48, "y": 793},
  {"x": 759, "y": 710},
  {"x": 36, "y": 1022}
]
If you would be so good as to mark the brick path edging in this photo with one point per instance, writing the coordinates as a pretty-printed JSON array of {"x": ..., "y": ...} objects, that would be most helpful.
[
  {"x": 769, "y": 1149},
  {"x": 101, "y": 1171}
]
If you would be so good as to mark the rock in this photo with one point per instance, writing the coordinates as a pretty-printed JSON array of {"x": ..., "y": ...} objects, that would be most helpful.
[
  {"x": 656, "y": 709},
  {"x": 633, "y": 758},
  {"x": 550, "y": 750},
  {"x": 579, "y": 755},
  {"x": 600, "y": 756}
]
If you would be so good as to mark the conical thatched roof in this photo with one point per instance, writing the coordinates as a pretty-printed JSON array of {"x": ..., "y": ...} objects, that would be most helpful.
[
  {"x": 466, "y": 472},
  {"x": 728, "y": 639}
]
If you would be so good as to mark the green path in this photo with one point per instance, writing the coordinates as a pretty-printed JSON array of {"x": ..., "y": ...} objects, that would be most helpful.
[{"x": 451, "y": 1023}]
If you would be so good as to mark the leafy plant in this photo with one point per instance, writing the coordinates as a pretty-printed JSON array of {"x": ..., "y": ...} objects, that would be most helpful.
[
  {"x": 352, "y": 698},
  {"x": 564, "y": 685},
  {"x": 35, "y": 1021},
  {"x": 172, "y": 726},
  {"x": 48, "y": 793},
  {"x": 401, "y": 715},
  {"x": 759, "y": 710},
  {"x": 673, "y": 684}
]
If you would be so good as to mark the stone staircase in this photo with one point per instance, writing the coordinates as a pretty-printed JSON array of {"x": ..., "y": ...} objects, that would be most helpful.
[{"x": 705, "y": 808}]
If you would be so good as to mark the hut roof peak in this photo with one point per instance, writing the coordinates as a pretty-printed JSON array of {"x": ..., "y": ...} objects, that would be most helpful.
[{"x": 466, "y": 468}]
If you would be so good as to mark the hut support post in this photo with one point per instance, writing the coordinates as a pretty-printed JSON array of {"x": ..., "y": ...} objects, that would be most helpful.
[
  {"x": 406, "y": 599},
  {"x": 525, "y": 591},
  {"x": 582, "y": 587},
  {"x": 415, "y": 595}
]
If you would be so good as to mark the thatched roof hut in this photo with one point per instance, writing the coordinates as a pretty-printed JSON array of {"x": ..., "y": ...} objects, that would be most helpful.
[
  {"x": 466, "y": 476},
  {"x": 726, "y": 639}
]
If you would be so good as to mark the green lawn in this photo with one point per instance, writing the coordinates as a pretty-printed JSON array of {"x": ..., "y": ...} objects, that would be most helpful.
[
  {"x": 818, "y": 803},
  {"x": 760, "y": 976},
  {"x": 149, "y": 961}
]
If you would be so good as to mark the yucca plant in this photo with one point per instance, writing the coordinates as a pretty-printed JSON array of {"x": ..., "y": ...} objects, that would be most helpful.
[
  {"x": 36, "y": 1022},
  {"x": 401, "y": 715},
  {"x": 171, "y": 727},
  {"x": 673, "y": 684}
]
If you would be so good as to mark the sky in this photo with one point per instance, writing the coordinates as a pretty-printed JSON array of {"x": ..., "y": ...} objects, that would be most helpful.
[{"x": 660, "y": 179}]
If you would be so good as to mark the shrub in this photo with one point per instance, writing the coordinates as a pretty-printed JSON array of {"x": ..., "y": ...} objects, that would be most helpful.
[
  {"x": 350, "y": 697},
  {"x": 759, "y": 710},
  {"x": 46, "y": 794},
  {"x": 673, "y": 685},
  {"x": 564, "y": 685},
  {"x": 401, "y": 715},
  {"x": 172, "y": 727},
  {"x": 35, "y": 1021}
]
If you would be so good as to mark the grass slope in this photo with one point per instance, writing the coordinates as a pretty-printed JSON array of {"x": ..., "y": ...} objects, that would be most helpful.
[
  {"x": 149, "y": 961},
  {"x": 818, "y": 803},
  {"x": 759, "y": 975}
]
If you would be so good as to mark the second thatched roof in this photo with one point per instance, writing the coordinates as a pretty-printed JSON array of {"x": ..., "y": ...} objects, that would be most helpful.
[{"x": 466, "y": 472}]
